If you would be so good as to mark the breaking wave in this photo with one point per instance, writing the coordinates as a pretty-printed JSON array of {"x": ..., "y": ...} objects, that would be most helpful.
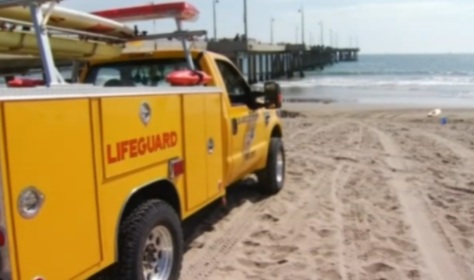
[{"x": 380, "y": 81}]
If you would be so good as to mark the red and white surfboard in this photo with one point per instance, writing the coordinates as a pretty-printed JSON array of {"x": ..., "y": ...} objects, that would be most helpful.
[{"x": 72, "y": 19}]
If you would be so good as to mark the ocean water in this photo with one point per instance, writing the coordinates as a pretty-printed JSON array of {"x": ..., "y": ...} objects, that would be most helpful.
[{"x": 441, "y": 80}]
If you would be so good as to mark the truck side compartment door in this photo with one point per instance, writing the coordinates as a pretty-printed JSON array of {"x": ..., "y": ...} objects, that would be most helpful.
[
  {"x": 203, "y": 147},
  {"x": 50, "y": 153},
  {"x": 215, "y": 159},
  {"x": 195, "y": 150},
  {"x": 246, "y": 122}
]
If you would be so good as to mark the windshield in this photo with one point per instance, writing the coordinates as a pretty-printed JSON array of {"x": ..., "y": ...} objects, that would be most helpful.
[{"x": 140, "y": 73}]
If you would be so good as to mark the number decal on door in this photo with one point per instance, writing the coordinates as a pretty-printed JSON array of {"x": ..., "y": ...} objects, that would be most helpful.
[{"x": 249, "y": 137}]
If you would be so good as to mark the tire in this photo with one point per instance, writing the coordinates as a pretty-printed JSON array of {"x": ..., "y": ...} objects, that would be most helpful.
[
  {"x": 135, "y": 231},
  {"x": 272, "y": 178}
]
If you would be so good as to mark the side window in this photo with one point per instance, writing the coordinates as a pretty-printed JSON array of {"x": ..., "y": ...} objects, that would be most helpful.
[
  {"x": 146, "y": 73},
  {"x": 106, "y": 74},
  {"x": 236, "y": 86}
]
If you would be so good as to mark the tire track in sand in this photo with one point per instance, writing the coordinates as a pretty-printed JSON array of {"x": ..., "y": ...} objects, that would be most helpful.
[
  {"x": 207, "y": 258},
  {"x": 202, "y": 262},
  {"x": 438, "y": 259},
  {"x": 274, "y": 246},
  {"x": 336, "y": 184},
  {"x": 450, "y": 219},
  {"x": 337, "y": 190}
]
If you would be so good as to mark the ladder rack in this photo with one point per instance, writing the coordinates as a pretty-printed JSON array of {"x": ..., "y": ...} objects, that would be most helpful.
[
  {"x": 13, "y": 3},
  {"x": 39, "y": 21},
  {"x": 52, "y": 75},
  {"x": 111, "y": 39}
]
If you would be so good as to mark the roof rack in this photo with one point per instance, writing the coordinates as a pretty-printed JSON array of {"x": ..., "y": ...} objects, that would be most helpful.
[
  {"x": 108, "y": 38},
  {"x": 179, "y": 11},
  {"x": 52, "y": 75},
  {"x": 12, "y": 3}
]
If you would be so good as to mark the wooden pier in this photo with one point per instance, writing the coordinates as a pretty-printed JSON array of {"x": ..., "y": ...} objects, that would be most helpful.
[{"x": 262, "y": 62}]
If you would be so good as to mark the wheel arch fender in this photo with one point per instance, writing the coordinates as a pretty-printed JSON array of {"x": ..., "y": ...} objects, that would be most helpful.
[{"x": 275, "y": 131}]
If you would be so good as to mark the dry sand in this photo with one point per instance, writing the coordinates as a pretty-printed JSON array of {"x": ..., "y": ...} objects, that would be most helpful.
[{"x": 371, "y": 193}]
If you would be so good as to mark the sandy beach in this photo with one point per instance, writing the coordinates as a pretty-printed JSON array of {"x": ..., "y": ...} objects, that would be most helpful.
[{"x": 372, "y": 193}]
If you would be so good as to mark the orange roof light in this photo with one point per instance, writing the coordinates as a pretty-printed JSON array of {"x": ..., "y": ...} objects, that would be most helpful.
[{"x": 177, "y": 10}]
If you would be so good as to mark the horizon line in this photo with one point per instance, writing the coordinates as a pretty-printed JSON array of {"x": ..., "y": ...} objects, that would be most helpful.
[{"x": 419, "y": 53}]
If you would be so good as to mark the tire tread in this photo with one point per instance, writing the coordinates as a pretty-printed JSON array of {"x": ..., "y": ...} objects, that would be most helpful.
[{"x": 132, "y": 229}]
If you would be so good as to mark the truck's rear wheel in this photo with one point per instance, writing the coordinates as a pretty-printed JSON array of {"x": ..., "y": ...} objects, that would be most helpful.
[
  {"x": 272, "y": 178},
  {"x": 151, "y": 243}
]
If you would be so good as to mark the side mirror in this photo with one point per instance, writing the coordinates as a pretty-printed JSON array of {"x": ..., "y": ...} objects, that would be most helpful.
[{"x": 273, "y": 96}]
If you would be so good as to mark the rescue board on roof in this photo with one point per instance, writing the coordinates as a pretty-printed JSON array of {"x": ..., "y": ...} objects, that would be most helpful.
[
  {"x": 72, "y": 19},
  {"x": 178, "y": 10},
  {"x": 24, "y": 43}
]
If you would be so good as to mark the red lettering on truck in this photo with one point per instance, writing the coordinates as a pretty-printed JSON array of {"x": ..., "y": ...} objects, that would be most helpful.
[{"x": 141, "y": 146}]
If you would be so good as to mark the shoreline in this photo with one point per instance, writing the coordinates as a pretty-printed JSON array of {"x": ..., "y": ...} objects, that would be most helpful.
[{"x": 324, "y": 105}]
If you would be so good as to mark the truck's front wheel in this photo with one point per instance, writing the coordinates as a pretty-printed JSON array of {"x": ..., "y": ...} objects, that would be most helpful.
[
  {"x": 272, "y": 178},
  {"x": 151, "y": 243}
]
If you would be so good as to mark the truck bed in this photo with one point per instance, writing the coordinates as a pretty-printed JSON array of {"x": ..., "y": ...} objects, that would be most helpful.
[{"x": 87, "y": 149}]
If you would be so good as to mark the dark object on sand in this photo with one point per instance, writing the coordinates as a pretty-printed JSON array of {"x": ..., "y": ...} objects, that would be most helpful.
[{"x": 291, "y": 114}]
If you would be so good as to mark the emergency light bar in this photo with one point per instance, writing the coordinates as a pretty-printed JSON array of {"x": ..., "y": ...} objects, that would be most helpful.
[{"x": 178, "y": 10}]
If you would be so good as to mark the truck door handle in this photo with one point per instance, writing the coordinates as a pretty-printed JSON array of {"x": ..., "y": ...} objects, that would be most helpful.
[
  {"x": 210, "y": 145},
  {"x": 235, "y": 127}
]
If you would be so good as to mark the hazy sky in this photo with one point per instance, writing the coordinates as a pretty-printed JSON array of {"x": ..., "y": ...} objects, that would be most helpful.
[{"x": 381, "y": 26}]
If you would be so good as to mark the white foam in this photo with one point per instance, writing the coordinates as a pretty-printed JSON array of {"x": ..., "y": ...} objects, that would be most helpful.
[{"x": 364, "y": 82}]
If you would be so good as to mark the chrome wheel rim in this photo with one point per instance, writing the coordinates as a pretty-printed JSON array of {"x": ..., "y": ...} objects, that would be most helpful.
[
  {"x": 280, "y": 167},
  {"x": 158, "y": 254}
]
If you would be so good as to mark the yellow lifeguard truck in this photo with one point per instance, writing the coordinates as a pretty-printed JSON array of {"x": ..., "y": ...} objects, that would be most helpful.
[{"x": 96, "y": 177}]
